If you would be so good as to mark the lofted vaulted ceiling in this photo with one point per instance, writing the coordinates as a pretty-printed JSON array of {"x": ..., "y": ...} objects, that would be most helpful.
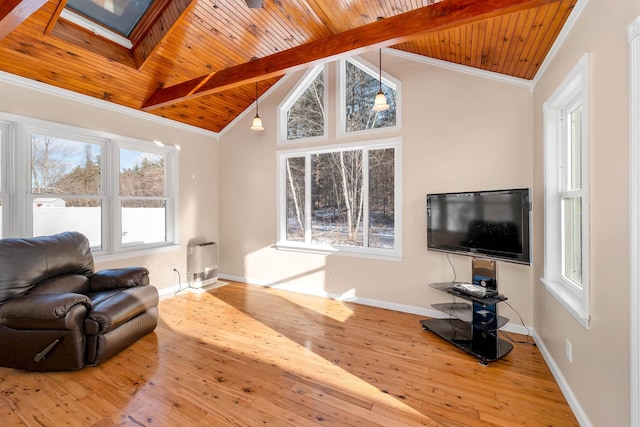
[{"x": 197, "y": 61}]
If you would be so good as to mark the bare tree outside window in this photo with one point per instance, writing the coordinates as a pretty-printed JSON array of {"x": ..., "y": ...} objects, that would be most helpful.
[
  {"x": 360, "y": 91},
  {"x": 381, "y": 198},
  {"x": 66, "y": 186},
  {"x": 339, "y": 210},
  {"x": 142, "y": 174},
  {"x": 337, "y": 198},
  {"x": 64, "y": 167},
  {"x": 306, "y": 116},
  {"x": 295, "y": 199},
  {"x": 143, "y": 196}
]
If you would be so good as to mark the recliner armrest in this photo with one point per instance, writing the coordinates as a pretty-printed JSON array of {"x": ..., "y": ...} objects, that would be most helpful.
[
  {"x": 45, "y": 311},
  {"x": 117, "y": 278}
]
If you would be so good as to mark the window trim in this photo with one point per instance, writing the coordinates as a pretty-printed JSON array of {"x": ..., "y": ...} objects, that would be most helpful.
[
  {"x": 394, "y": 254},
  {"x": 7, "y": 132},
  {"x": 374, "y": 72},
  {"x": 20, "y": 206},
  {"x": 171, "y": 190},
  {"x": 95, "y": 28},
  {"x": 300, "y": 87},
  {"x": 573, "y": 90}
]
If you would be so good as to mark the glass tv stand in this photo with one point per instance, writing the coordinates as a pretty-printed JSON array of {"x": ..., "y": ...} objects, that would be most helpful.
[{"x": 473, "y": 326}]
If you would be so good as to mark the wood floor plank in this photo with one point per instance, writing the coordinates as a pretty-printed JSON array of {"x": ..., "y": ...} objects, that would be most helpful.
[{"x": 243, "y": 355}]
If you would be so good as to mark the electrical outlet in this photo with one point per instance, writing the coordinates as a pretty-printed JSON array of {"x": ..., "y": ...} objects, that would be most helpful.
[{"x": 569, "y": 351}]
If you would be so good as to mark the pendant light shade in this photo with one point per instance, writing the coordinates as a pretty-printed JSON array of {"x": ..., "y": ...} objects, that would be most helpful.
[
  {"x": 257, "y": 121},
  {"x": 380, "y": 103}
]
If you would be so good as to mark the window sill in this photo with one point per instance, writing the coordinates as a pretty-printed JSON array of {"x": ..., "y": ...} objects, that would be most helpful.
[
  {"x": 381, "y": 254},
  {"x": 135, "y": 253},
  {"x": 571, "y": 300}
]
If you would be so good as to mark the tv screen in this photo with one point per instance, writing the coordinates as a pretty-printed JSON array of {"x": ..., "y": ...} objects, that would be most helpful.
[{"x": 492, "y": 224}]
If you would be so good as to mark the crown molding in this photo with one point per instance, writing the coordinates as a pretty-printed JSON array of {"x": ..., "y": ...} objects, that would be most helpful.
[
  {"x": 459, "y": 68},
  {"x": 99, "y": 103}
]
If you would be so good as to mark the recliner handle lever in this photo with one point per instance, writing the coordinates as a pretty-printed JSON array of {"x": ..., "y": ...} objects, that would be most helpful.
[{"x": 43, "y": 354}]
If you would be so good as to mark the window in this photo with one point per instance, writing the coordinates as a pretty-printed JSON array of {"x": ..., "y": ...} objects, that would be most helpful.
[
  {"x": 121, "y": 193},
  {"x": 66, "y": 186},
  {"x": 341, "y": 199},
  {"x": 120, "y": 16},
  {"x": 143, "y": 196},
  {"x": 4, "y": 163},
  {"x": 302, "y": 114},
  {"x": 359, "y": 85},
  {"x": 566, "y": 273}
]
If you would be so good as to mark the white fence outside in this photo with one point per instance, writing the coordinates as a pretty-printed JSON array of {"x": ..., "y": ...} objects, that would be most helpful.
[{"x": 139, "y": 225}]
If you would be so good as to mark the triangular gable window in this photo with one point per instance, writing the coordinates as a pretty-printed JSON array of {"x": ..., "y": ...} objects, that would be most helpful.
[{"x": 302, "y": 114}]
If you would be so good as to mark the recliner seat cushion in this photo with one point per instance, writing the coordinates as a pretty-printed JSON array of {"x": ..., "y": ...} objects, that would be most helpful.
[{"x": 113, "y": 308}]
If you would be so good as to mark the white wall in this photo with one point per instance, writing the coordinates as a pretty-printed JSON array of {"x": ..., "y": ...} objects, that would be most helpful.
[
  {"x": 198, "y": 180},
  {"x": 460, "y": 132},
  {"x": 599, "y": 373}
]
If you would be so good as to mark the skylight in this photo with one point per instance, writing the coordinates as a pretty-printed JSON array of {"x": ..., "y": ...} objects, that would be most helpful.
[{"x": 120, "y": 16}]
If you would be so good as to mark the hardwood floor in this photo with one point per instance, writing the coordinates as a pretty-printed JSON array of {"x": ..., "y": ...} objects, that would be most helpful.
[{"x": 244, "y": 355}]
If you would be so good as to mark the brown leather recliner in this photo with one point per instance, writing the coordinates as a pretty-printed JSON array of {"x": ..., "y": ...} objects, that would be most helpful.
[{"x": 57, "y": 314}]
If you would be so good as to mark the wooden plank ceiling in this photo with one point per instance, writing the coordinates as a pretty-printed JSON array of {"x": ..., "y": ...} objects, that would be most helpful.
[{"x": 197, "y": 61}]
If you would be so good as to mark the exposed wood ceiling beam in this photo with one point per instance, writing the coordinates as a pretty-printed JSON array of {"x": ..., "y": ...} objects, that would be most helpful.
[
  {"x": 15, "y": 12},
  {"x": 389, "y": 31}
]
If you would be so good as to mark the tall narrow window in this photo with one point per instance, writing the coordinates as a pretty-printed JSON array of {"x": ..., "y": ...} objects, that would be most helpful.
[
  {"x": 295, "y": 202},
  {"x": 571, "y": 209},
  {"x": 342, "y": 199},
  {"x": 566, "y": 222},
  {"x": 143, "y": 197}
]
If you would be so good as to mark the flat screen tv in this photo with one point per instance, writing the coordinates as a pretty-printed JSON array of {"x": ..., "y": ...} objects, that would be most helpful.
[{"x": 494, "y": 224}]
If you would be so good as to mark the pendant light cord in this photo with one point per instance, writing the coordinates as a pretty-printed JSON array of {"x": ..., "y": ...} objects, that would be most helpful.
[
  {"x": 257, "y": 100},
  {"x": 380, "y": 69}
]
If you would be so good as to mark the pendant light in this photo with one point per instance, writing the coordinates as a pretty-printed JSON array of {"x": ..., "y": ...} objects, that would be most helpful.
[
  {"x": 380, "y": 103},
  {"x": 257, "y": 121}
]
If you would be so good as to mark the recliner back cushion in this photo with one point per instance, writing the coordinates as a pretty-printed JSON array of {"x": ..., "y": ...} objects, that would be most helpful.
[
  {"x": 26, "y": 262},
  {"x": 62, "y": 284}
]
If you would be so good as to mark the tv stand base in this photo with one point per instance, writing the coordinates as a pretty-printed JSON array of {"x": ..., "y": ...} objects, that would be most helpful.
[{"x": 487, "y": 347}]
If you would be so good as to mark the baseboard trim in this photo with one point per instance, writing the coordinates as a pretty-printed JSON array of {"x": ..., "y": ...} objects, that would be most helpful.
[
  {"x": 573, "y": 402},
  {"x": 182, "y": 288},
  {"x": 348, "y": 297}
]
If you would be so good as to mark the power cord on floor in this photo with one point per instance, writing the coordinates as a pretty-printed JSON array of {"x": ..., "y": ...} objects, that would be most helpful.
[
  {"x": 528, "y": 342},
  {"x": 179, "y": 281}
]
